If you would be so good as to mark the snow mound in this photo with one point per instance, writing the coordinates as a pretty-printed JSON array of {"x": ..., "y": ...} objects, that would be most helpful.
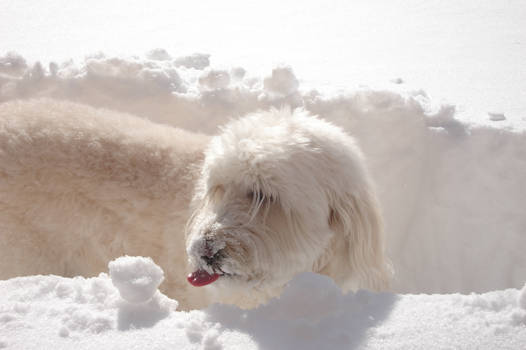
[
  {"x": 65, "y": 307},
  {"x": 73, "y": 308},
  {"x": 136, "y": 278},
  {"x": 312, "y": 313},
  {"x": 50, "y": 312}
]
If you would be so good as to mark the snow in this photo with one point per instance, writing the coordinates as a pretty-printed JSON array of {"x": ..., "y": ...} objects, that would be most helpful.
[
  {"x": 522, "y": 297},
  {"x": 282, "y": 81},
  {"x": 496, "y": 117},
  {"x": 54, "y": 312},
  {"x": 434, "y": 92},
  {"x": 136, "y": 278},
  {"x": 469, "y": 53}
]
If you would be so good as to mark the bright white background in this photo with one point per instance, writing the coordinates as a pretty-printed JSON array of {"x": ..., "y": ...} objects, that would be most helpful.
[{"x": 468, "y": 53}]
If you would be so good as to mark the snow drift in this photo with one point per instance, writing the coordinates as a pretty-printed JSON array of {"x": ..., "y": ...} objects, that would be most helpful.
[
  {"x": 452, "y": 195},
  {"x": 44, "y": 312}
]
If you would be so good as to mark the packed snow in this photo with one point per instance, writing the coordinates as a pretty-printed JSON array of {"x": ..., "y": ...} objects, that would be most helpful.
[
  {"x": 137, "y": 279},
  {"x": 434, "y": 92},
  {"x": 44, "y": 312}
]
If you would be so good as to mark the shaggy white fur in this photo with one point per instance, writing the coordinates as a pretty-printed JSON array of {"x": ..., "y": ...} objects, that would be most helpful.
[{"x": 276, "y": 193}]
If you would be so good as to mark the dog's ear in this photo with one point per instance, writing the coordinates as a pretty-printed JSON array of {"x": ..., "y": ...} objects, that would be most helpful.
[{"x": 356, "y": 258}]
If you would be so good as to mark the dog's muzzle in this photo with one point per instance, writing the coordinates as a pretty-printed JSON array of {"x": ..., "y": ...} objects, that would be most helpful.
[{"x": 210, "y": 259}]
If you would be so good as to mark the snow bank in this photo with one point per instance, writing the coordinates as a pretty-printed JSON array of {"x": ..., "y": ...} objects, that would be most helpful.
[
  {"x": 452, "y": 194},
  {"x": 44, "y": 312}
]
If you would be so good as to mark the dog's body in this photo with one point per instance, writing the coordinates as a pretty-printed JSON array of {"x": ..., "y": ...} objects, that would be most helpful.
[{"x": 81, "y": 186}]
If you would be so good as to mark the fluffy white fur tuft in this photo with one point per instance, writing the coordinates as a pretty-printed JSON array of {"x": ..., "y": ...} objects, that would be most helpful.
[{"x": 274, "y": 194}]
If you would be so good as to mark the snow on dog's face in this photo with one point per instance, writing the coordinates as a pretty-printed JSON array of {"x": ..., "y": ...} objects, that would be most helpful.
[{"x": 282, "y": 193}]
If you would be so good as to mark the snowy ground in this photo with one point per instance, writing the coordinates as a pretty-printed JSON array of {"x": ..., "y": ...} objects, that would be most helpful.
[
  {"x": 50, "y": 312},
  {"x": 435, "y": 93}
]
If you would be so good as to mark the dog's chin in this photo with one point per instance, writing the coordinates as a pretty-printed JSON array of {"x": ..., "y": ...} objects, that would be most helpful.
[
  {"x": 228, "y": 281},
  {"x": 239, "y": 286},
  {"x": 242, "y": 291}
]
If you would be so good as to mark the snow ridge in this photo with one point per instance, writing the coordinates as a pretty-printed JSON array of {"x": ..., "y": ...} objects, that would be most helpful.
[{"x": 43, "y": 312}]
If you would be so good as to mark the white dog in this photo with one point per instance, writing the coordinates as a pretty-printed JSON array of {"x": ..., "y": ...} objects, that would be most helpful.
[{"x": 276, "y": 193}]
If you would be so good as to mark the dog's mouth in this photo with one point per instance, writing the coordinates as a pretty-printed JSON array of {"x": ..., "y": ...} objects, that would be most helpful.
[
  {"x": 201, "y": 277},
  {"x": 211, "y": 264}
]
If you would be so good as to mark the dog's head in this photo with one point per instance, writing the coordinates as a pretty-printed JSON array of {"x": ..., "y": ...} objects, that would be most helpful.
[{"x": 280, "y": 193}]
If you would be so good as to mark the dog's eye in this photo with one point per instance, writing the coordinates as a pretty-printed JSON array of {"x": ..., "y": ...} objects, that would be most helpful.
[
  {"x": 255, "y": 195},
  {"x": 260, "y": 196}
]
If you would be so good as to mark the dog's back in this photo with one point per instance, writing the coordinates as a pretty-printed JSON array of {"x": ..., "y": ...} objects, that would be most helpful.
[{"x": 80, "y": 186}]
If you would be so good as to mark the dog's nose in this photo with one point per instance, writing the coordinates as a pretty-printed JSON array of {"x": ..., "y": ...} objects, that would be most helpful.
[
  {"x": 210, "y": 255},
  {"x": 208, "y": 249},
  {"x": 210, "y": 260}
]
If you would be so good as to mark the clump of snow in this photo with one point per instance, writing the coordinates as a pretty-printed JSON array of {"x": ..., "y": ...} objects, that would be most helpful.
[
  {"x": 133, "y": 76},
  {"x": 496, "y": 117},
  {"x": 197, "y": 61},
  {"x": 12, "y": 63},
  {"x": 282, "y": 81},
  {"x": 158, "y": 55},
  {"x": 136, "y": 278},
  {"x": 238, "y": 73},
  {"x": 215, "y": 79}
]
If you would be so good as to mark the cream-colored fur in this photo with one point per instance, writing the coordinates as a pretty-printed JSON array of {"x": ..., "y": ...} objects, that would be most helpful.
[{"x": 276, "y": 193}]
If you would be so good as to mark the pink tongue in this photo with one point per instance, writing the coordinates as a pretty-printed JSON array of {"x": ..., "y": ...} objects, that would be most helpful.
[{"x": 201, "y": 278}]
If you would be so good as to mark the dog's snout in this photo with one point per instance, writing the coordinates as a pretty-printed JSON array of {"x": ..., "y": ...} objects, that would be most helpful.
[
  {"x": 208, "y": 249},
  {"x": 210, "y": 252},
  {"x": 211, "y": 255},
  {"x": 210, "y": 260}
]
